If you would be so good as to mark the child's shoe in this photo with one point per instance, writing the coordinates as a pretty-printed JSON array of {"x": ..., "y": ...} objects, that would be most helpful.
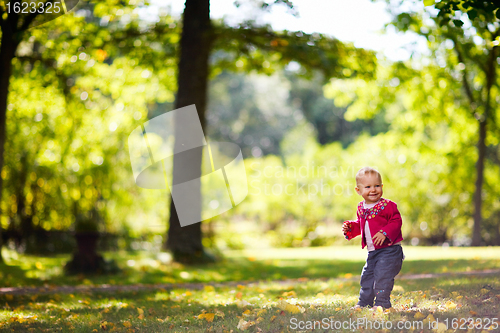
[{"x": 358, "y": 307}]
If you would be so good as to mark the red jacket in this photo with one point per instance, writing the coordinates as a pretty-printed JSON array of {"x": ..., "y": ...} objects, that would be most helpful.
[{"x": 384, "y": 216}]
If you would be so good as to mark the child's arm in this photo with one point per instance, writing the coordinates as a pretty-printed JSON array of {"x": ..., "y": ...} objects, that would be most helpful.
[
  {"x": 351, "y": 229},
  {"x": 393, "y": 228}
]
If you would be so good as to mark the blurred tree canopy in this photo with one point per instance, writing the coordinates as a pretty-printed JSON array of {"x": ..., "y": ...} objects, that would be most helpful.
[
  {"x": 474, "y": 49},
  {"x": 246, "y": 47},
  {"x": 59, "y": 154},
  {"x": 98, "y": 70},
  {"x": 448, "y": 90},
  {"x": 82, "y": 82}
]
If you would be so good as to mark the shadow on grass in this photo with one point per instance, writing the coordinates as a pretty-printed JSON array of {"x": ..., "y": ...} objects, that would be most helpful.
[
  {"x": 246, "y": 270},
  {"x": 150, "y": 271}
]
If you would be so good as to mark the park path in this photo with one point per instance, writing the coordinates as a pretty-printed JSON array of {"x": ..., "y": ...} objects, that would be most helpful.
[{"x": 198, "y": 286}]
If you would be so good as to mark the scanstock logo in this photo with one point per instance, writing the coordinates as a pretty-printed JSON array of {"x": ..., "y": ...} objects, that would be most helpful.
[{"x": 167, "y": 151}]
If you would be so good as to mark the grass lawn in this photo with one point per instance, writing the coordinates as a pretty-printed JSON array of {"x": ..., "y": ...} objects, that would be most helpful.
[{"x": 267, "y": 305}]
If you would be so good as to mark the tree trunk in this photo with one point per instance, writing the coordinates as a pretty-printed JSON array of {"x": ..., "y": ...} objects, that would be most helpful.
[
  {"x": 481, "y": 144},
  {"x": 478, "y": 200},
  {"x": 7, "y": 50},
  {"x": 185, "y": 242}
]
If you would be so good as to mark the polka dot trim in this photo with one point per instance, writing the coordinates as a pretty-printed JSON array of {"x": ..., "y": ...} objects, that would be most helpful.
[{"x": 370, "y": 213}]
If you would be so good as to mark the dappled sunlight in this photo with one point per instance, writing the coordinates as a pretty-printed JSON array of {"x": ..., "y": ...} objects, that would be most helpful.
[
  {"x": 268, "y": 305},
  {"x": 264, "y": 291}
]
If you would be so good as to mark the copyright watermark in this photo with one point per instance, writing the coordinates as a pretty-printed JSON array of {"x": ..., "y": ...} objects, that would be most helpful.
[
  {"x": 307, "y": 180},
  {"x": 166, "y": 152},
  {"x": 365, "y": 324},
  {"x": 354, "y": 324}
]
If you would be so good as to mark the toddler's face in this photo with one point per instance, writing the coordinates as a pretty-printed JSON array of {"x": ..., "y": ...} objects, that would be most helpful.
[{"x": 370, "y": 188}]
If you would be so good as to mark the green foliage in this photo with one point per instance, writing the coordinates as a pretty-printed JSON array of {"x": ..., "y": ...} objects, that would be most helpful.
[
  {"x": 487, "y": 11},
  {"x": 66, "y": 154},
  {"x": 251, "y": 47},
  {"x": 250, "y": 110},
  {"x": 99, "y": 73},
  {"x": 434, "y": 104}
]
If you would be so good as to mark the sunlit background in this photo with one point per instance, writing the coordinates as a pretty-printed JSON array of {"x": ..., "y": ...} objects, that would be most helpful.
[{"x": 303, "y": 135}]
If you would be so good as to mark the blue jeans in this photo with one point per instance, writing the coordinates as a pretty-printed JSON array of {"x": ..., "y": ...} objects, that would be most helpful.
[{"x": 377, "y": 277}]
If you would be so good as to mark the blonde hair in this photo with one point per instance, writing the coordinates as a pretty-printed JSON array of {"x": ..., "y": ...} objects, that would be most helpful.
[{"x": 367, "y": 170}]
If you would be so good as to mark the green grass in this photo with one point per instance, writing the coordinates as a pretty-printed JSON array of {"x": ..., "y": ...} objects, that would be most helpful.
[
  {"x": 179, "y": 309},
  {"x": 257, "y": 304},
  {"x": 272, "y": 264}
]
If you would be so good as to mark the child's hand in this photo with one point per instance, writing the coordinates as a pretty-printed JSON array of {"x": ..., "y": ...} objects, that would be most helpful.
[
  {"x": 378, "y": 239},
  {"x": 346, "y": 229}
]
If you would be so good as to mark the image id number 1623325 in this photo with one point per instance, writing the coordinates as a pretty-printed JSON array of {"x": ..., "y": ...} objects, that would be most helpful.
[
  {"x": 32, "y": 7},
  {"x": 471, "y": 323}
]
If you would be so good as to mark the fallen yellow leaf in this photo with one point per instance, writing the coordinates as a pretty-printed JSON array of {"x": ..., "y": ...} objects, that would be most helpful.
[
  {"x": 272, "y": 318},
  {"x": 289, "y": 293},
  {"x": 419, "y": 315},
  {"x": 207, "y": 316},
  {"x": 247, "y": 313},
  {"x": 244, "y": 325},
  {"x": 484, "y": 291},
  {"x": 188, "y": 293},
  {"x": 283, "y": 305},
  {"x": 441, "y": 328},
  {"x": 450, "y": 305},
  {"x": 127, "y": 324},
  {"x": 219, "y": 313},
  {"x": 430, "y": 317}
]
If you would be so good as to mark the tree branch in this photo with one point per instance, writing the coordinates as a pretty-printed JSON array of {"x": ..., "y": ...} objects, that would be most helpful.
[
  {"x": 466, "y": 84},
  {"x": 312, "y": 51},
  {"x": 491, "y": 78},
  {"x": 47, "y": 62},
  {"x": 30, "y": 17}
]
